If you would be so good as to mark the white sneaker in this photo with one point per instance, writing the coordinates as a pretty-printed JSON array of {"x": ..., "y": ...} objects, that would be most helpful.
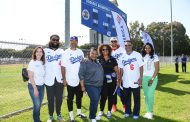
[
  {"x": 93, "y": 120},
  {"x": 149, "y": 115},
  {"x": 146, "y": 115},
  {"x": 99, "y": 115},
  {"x": 109, "y": 114},
  {"x": 126, "y": 115},
  {"x": 50, "y": 119},
  {"x": 135, "y": 117}
]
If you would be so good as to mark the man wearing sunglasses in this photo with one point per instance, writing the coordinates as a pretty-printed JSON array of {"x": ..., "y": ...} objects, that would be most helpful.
[
  {"x": 117, "y": 53},
  {"x": 131, "y": 71},
  {"x": 71, "y": 64},
  {"x": 53, "y": 77}
]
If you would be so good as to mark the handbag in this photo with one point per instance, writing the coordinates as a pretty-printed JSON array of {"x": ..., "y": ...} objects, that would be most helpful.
[{"x": 25, "y": 74}]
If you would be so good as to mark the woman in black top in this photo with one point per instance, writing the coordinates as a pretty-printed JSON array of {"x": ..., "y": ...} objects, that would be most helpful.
[{"x": 111, "y": 78}]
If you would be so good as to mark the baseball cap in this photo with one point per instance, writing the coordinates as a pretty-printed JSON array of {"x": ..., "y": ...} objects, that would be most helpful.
[
  {"x": 113, "y": 39},
  {"x": 73, "y": 38}
]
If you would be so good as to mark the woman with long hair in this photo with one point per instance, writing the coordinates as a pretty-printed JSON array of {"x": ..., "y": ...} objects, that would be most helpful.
[
  {"x": 36, "y": 73},
  {"x": 150, "y": 78}
]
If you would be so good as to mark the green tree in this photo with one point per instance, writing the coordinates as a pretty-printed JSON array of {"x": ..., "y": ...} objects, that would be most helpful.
[
  {"x": 134, "y": 28},
  {"x": 160, "y": 33}
]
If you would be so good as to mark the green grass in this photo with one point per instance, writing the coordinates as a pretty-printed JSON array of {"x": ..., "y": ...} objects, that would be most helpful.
[{"x": 172, "y": 98}]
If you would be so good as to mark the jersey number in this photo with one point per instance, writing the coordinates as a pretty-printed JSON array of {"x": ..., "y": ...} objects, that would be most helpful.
[{"x": 131, "y": 66}]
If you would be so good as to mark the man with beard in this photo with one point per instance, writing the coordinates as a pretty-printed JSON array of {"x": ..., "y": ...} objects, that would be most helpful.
[
  {"x": 53, "y": 77},
  {"x": 71, "y": 63}
]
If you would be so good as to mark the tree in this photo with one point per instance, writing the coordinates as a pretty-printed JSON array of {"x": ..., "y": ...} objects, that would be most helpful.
[
  {"x": 134, "y": 28},
  {"x": 160, "y": 33}
]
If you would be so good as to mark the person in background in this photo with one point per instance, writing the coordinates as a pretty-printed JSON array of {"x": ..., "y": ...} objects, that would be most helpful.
[
  {"x": 117, "y": 52},
  {"x": 71, "y": 64},
  {"x": 36, "y": 73},
  {"x": 183, "y": 62},
  {"x": 111, "y": 78},
  {"x": 53, "y": 77},
  {"x": 131, "y": 71},
  {"x": 176, "y": 64},
  {"x": 150, "y": 77},
  {"x": 91, "y": 76}
]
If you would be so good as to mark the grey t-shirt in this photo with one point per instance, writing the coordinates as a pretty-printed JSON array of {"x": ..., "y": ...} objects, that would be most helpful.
[{"x": 92, "y": 73}]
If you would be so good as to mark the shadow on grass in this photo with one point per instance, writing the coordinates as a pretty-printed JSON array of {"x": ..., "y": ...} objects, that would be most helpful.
[
  {"x": 168, "y": 78},
  {"x": 141, "y": 119},
  {"x": 185, "y": 82}
]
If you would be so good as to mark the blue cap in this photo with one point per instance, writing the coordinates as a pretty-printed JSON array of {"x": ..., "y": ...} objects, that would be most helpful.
[{"x": 73, "y": 38}]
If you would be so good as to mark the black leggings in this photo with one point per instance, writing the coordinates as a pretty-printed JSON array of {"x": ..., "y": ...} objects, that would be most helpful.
[
  {"x": 121, "y": 97},
  {"x": 71, "y": 92},
  {"x": 107, "y": 92}
]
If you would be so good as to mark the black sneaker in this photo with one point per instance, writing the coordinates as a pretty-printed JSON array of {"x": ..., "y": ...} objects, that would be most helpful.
[{"x": 81, "y": 116}]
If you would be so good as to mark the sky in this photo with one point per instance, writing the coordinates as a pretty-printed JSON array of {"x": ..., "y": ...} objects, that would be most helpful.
[{"x": 33, "y": 21}]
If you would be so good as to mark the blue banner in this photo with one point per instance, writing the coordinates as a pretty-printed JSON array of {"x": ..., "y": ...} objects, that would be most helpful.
[{"x": 97, "y": 15}]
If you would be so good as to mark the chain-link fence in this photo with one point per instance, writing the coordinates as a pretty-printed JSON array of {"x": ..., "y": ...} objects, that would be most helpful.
[{"x": 14, "y": 95}]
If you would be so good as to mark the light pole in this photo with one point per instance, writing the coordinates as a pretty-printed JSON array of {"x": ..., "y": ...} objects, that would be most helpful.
[
  {"x": 163, "y": 49},
  {"x": 171, "y": 32},
  {"x": 67, "y": 23}
]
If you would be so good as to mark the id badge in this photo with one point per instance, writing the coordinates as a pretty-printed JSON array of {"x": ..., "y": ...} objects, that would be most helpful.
[{"x": 109, "y": 79}]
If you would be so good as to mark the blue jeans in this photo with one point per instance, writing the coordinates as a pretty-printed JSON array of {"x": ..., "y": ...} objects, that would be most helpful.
[
  {"x": 94, "y": 95},
  {"x": 37, "y": 101}
]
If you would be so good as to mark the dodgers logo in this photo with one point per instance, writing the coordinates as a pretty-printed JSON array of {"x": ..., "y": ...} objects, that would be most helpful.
[
  {"x": 51, "y": 58},
  {"x": 129, "y": 61},
  {"x": 76, "y": 59},
  {"x": 116, "y": 56}
]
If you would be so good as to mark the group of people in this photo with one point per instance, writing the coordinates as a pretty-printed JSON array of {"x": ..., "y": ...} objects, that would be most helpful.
[
  {"x": 106, "y": 70},
  {"x": 183, "y": 63}
]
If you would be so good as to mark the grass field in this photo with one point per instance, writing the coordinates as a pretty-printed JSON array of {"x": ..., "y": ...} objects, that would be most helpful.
[{"x": 171, "y": 98}]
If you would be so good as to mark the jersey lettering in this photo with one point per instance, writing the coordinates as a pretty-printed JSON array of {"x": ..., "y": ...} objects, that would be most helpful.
[
  {"x": 116, "y": 56},
  {"x": 129, "y": 61},
  {"x": 51, "y": 58},
  {"x": 76, "y": 59}
]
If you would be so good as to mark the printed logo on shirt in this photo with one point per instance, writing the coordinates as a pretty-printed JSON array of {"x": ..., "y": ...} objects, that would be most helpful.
[
  {"x": 116, "y": 56},
  {"x": 129, "y": 61},
  {"x": 51, "y": 58},
  {"x": 131, "y": 66},
  {"x": 76, "y": 59}
]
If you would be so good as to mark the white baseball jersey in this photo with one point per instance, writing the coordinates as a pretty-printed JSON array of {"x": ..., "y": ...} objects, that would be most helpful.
[
  {"x": 149, "y": 67},
  {"x": 71, "y": 61},
  {"x": 131, "y": 72},
  {"x": 117, "y": 54},
  {"x": 38, "y": 69},
  {"x": 53, "y": 66}
]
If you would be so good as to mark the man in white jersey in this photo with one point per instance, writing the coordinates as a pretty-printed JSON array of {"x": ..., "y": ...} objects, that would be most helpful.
[
  {"x": 71, "y": 64},
  {"x": 53, "y": 77},
  {"x": 117, "y": 53},
  {"x": 131, "y": 71}
]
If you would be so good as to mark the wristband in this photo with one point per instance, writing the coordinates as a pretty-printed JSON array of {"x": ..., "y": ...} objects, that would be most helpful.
[{"x": 152, "y": 78}]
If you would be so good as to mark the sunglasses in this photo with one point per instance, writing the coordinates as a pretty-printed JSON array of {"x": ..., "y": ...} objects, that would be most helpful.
[
  {"x": 104, "y": 49},
  {"x": 128, "y": 45},
  {"x": 55, "y": 40},
  {"x": 113, "y": 41}
]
